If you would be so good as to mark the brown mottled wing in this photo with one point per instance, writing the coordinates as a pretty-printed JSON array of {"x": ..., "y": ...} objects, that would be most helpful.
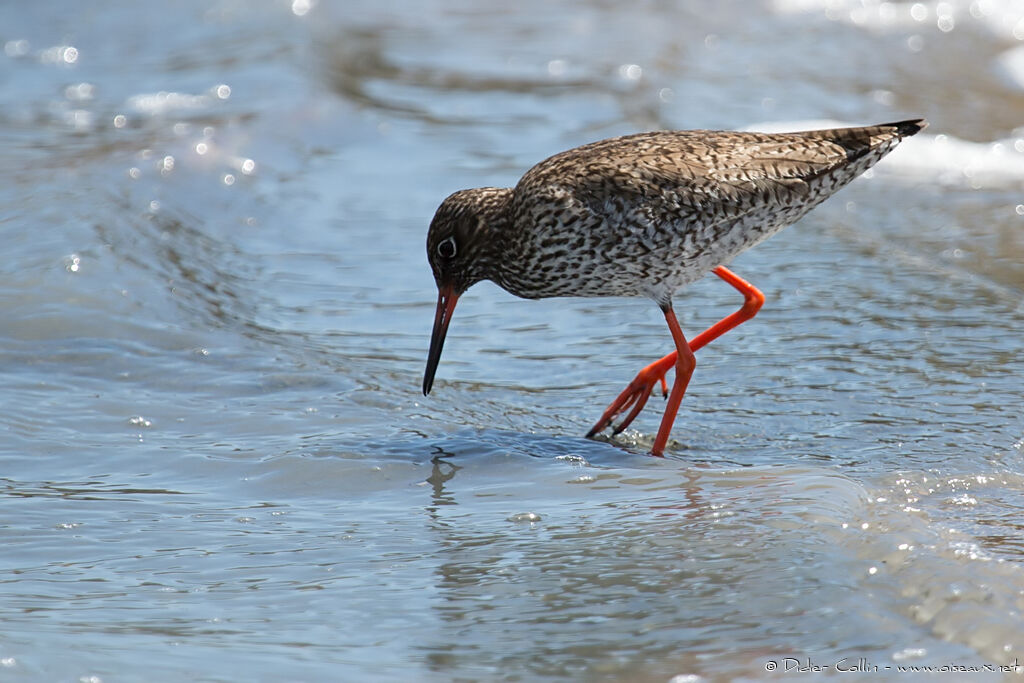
[{"x": 707, "y": 176}]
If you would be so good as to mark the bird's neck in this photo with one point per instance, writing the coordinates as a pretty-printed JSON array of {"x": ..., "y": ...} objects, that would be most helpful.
[{"x": 494, "y": 208}]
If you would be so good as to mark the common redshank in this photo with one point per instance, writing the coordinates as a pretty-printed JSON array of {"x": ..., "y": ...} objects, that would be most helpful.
[{"x": 643, "y": 215}]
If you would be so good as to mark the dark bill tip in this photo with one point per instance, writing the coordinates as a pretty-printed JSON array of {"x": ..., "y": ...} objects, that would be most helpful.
[{"x": 446, "y": 300}]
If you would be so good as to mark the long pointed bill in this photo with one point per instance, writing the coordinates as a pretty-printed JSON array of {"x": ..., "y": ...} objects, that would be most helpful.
[{"x": 446, "y": 300}]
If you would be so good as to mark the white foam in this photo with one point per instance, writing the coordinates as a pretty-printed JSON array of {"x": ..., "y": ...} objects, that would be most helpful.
[
  {"x": 1009, "y": 67},
  {"x": 156, "y": 104},
  {"x": 1003, "y": 18},
  {"x": 952, "y": 161}
]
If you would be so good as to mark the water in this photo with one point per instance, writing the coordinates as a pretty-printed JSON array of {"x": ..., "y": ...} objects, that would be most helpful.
[{"x": 217, "y": 464}]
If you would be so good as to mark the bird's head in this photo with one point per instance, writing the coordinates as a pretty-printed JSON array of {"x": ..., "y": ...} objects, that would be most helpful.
[{"x": 461, "y": 246}]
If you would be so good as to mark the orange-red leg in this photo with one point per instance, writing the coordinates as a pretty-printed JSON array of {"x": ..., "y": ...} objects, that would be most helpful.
[
  {"x": 685, "y": 364},
  {"x": 639, "y": 390}
]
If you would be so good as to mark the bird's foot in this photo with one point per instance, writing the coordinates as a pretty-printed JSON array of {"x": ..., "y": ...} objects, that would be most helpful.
[{"x": 635, "y": 395}]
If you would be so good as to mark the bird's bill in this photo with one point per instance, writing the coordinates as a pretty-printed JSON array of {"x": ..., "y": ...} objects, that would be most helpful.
[{"x": 446, "y": 300}]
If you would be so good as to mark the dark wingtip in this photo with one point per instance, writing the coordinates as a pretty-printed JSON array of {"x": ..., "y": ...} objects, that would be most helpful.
[{"x": 907, "y": 128}]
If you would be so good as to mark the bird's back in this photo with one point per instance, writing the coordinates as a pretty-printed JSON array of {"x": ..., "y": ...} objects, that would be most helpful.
[{"x": 646, "y": 214}]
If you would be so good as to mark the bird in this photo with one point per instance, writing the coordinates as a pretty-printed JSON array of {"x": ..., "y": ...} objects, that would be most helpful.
[{"x": 643, "y": 215}]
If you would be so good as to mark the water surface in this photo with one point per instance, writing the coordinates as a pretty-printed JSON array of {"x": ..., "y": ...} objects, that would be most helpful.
[{"x": 217, "y": 464}]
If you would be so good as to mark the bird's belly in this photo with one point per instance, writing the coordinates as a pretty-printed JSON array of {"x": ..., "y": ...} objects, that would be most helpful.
[{"x": 652, "y": 261}]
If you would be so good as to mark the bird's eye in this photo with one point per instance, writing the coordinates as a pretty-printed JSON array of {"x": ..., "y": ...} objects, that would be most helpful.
[{"x": 446, "y": 249}]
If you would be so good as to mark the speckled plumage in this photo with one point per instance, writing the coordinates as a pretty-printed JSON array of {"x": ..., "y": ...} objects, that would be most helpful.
[
  {"x": 640, "y": 215},
  {"x": 643, "y": 215}
]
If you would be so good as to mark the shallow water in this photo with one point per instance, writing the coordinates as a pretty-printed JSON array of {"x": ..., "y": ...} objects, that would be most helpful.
[{"x": 217, "y": 464}]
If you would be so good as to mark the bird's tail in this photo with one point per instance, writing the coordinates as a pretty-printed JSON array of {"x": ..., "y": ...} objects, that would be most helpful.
[{"x": 907, "y": 128}]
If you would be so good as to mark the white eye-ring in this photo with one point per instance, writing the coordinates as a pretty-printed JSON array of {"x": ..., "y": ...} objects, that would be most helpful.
[{"x": 446, "y": 249}]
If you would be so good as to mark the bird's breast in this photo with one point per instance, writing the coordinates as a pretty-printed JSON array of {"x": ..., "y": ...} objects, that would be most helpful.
[{"x": 579, "y": 254}]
